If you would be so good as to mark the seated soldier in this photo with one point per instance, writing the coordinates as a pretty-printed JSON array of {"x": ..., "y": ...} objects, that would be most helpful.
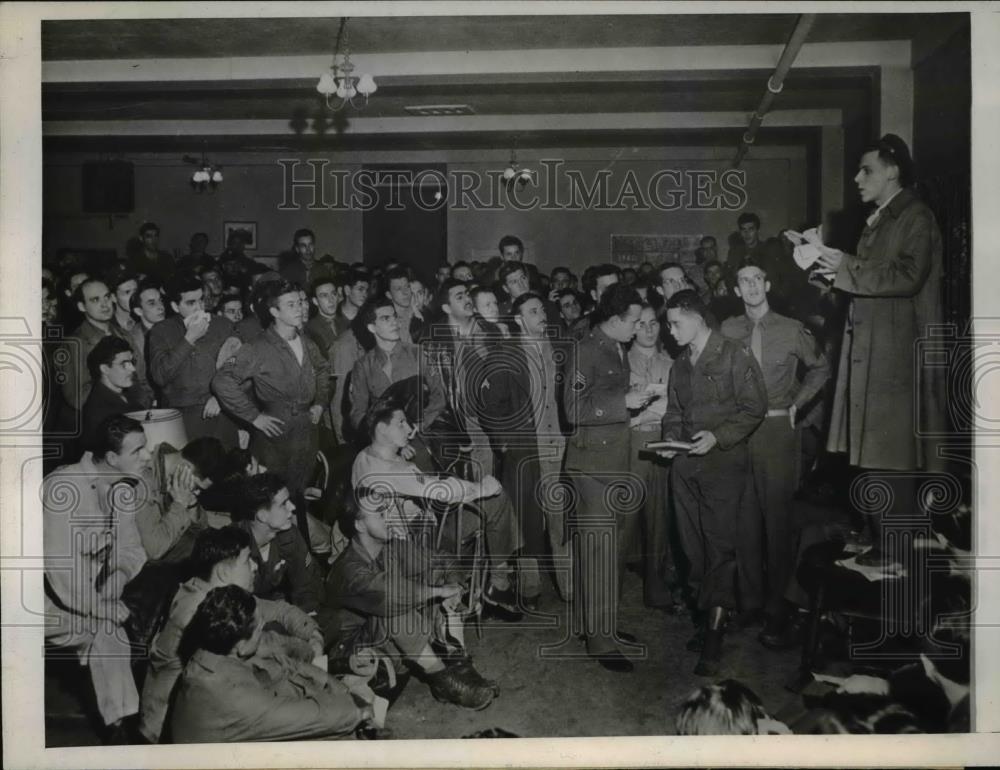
[
  {"x": 285, "y": 567},
  {"x": 383, "y": 592},
  {"x": 90, "y": 553},
  {"x": 168, "y": 518},
  {"x": 171, "y": 518},
  {"x": 221, "y": 557},
  {"x": 381, "y": 466},
  {"x": 229, "y": 692}
]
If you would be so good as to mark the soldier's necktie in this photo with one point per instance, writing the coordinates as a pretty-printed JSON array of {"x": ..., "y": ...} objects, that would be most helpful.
[{"x": 756, "y": 346}]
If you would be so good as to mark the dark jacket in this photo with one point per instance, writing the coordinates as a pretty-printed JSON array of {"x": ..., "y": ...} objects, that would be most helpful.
[
  {"x": 894, "y": 284},
  {"x": 248, "y": 329},
  {"x": 104, "y": 402},
  {"x": 596, "y": 382},
  {"x": 290, "y": 572},
  {"x": 76, "y": 382},
  {"x": 323, "y": 332},
  {"x": 184, "y": 371},
  {"x": 456, "y": 362},
  {"x": 358, "y": 587},
  {"x": 508, "y": 386},
  {"x": 723, "y": 393},
  {"x": 369, "y": 381},
  {"x": 396, "y": 581}
]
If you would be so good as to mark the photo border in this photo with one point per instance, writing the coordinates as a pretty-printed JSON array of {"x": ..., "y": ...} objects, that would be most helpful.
[{"x": 20, "y": 247}]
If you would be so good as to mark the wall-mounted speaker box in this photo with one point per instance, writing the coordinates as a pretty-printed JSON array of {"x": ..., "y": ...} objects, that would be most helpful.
[{"x": 108, "y": 187}]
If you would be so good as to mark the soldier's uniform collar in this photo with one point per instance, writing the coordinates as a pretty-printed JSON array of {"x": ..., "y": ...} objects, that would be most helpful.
[
  {"x": 602, "y": 338},
  {"x": 763, "y": 321},
  {"x": 712, "y": 346}
]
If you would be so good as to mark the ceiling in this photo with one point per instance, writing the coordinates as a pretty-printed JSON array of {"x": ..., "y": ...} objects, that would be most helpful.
[
  {"x": 583, "y": 72},
  {"x": 614, "y": 93},
  {"x": 206, "y": 38}
]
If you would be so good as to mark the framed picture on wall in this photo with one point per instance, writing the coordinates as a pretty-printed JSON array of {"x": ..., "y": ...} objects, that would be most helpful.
[{"x": 247, "y": 229}]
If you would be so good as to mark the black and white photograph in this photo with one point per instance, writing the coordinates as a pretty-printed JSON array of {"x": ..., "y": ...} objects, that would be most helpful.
[{"x": 528, "y": 371}]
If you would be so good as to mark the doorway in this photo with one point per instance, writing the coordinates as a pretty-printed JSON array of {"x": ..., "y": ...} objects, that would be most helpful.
[{"x": 409, "y": 219}]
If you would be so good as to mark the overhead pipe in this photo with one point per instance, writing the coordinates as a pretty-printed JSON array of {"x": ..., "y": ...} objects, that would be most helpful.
[{"x": 775, "y": 83}]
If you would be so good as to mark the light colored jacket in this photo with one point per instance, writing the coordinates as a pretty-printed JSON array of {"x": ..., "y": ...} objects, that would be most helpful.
[{"x": 165, "y": 665}]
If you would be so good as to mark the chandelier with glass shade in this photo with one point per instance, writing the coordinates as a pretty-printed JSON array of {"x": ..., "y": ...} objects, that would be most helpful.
[
  {"x": 341, "y": 86},
  {"x": 207, "y": 175}
]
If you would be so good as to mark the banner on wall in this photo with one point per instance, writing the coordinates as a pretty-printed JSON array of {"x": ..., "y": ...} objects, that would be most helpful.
[{"x": 633, "y": 250}]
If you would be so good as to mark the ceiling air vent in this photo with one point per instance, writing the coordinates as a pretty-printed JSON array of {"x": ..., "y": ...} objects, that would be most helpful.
[{"x": 435, "y": 110}]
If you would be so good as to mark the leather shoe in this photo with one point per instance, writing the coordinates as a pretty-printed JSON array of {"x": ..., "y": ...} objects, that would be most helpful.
[
  {"x": 462, "y": 663},
  {"x": 451, "y": 685},
  {"x": 501, "y": 604},
  {"x": 615, "y": 661}
]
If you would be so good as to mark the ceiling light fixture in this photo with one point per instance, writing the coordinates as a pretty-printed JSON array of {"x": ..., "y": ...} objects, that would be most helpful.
[
  {"x": 341, "y": 86},
  {"x": 514, "y": 174},
  {"x": 207, "y": 175}
]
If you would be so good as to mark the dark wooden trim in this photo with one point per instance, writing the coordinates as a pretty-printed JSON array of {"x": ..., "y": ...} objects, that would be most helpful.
[{"x": 332, "y": 142}]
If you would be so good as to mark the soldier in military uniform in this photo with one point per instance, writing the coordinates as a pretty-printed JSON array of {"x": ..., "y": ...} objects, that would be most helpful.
[
  {"x": 290, "y": 386},
  {"x": 598, "y": 403},
  {"x": 183, "y": 352},
  {"x": 716, "y": 399},
  {"x": 781, "y": 346}
]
